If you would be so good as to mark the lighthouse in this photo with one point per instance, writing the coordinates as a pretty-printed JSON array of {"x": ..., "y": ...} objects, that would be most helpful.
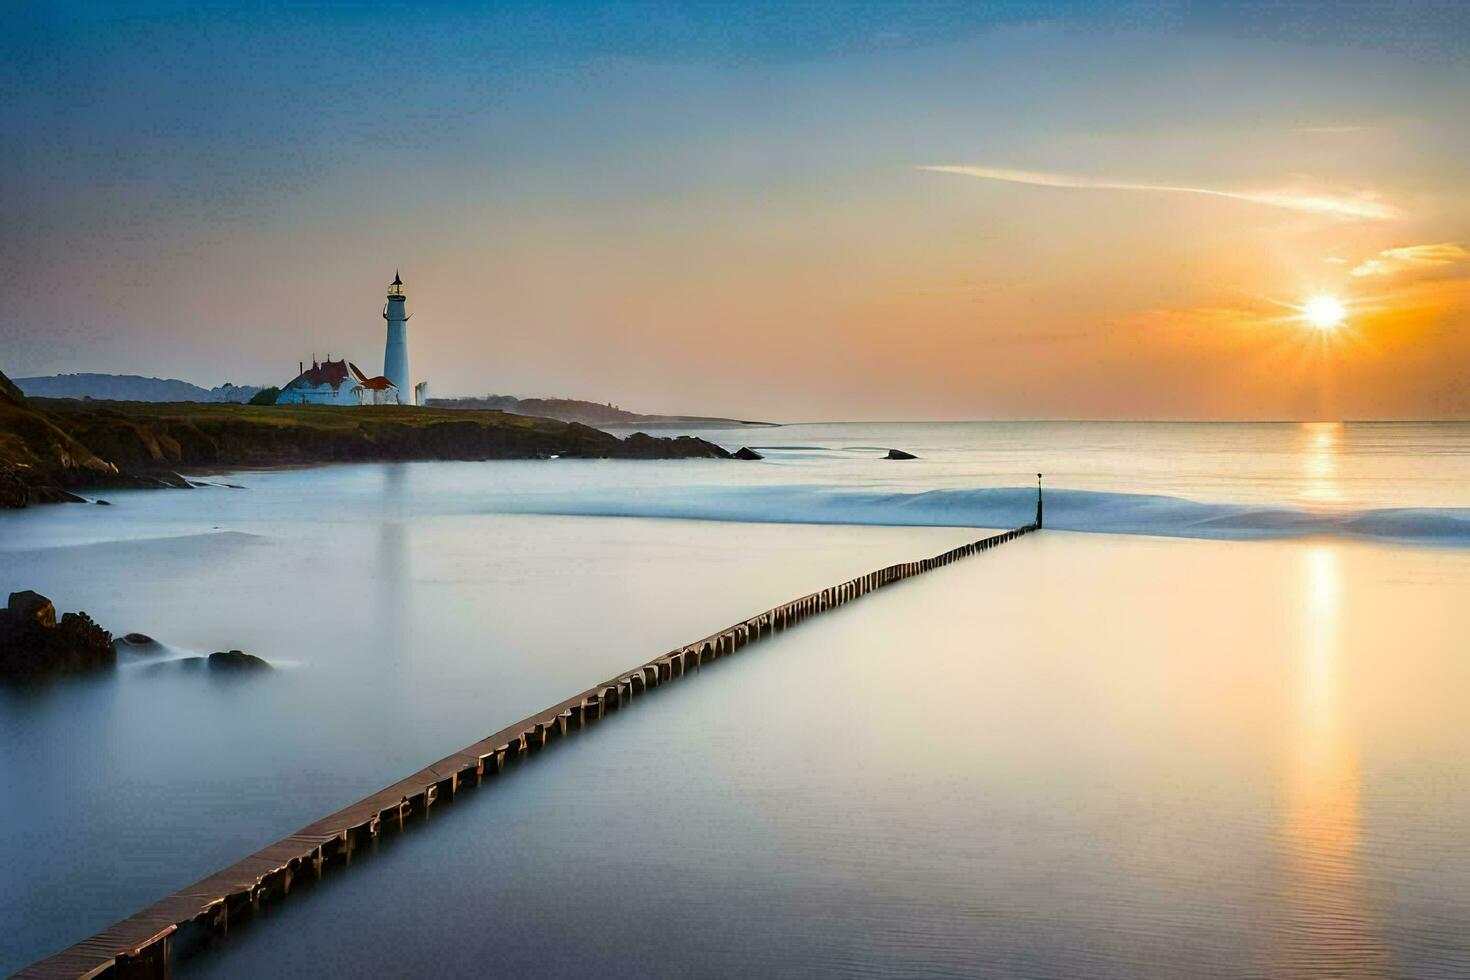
[{"x": 395, "y": 354}]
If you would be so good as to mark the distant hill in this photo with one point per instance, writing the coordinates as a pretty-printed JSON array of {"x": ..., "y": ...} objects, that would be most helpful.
[
  {"x": 577, "y": 410},
  {"x": 131, "y": 388}
]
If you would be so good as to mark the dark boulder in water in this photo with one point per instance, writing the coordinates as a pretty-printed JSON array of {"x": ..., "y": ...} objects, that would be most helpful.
[
  {"x": 29, "y": 606},
  {"x": 899, "y": 454},
  {"x": 745, "y": 452},
  {"x": 34, "y": 643},
  {"x": 236, "y": 660},
  {"x": 139, "y": 639}
]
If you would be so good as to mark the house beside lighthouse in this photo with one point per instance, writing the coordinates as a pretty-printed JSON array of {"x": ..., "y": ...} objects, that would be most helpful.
[
  {"x": 341, "y": 382},
  {"x": 332, "y": 382}
]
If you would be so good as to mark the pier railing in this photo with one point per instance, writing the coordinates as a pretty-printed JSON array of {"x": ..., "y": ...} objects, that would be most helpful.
[{"x": 141, "y": 945}]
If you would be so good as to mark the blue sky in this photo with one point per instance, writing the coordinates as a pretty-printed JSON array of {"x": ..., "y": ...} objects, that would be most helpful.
[{"x": 628, "y": 201}]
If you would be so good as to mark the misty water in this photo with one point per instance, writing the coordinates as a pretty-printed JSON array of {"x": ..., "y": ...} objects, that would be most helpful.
[{"x": 1220, "y": 735}]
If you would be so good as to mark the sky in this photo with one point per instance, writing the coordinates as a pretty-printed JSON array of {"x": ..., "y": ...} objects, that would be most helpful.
[{"x": 784, "y": 212}]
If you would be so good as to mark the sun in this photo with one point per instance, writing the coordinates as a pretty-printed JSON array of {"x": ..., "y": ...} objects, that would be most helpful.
[{"x": 1324, "y": 312}]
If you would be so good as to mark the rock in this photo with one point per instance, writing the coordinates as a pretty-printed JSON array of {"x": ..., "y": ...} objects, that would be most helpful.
[
  {"x": 745, "y": 452},
  {"x": 139, "y": 639},
  {"x": 54, "y": 495},
  {"x": 33, "y": 643},
  {"x": 236, "y": 660},
  {"x": 13, "y": 491},
  {"x": 103, "y": 503},
  {"x": 168, "y": 478},
  {"x": 641, "y": 445},
  {"x": 31, "y": 606},
  {"x": 899, "y": 454},
  {"x": 9, "y": 392}
]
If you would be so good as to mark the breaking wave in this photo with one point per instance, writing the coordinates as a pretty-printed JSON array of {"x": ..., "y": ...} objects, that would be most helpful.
[{"x": 1067, "y": 510}]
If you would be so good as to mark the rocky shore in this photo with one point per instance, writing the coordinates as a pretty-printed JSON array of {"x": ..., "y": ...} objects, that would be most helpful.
[
  {"x": 50, "y": 449},
  {"x": 33, "y": 642}
]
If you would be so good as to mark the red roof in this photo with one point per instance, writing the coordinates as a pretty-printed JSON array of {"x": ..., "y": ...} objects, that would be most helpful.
[
  {"x": 334, "y": 373},
  {"x": 326, "y": 373}
]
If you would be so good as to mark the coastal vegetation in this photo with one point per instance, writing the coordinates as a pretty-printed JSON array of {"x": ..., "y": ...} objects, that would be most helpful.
[
  {"x": 50, "y": 448},
  {"x": 578, "y": 410}
]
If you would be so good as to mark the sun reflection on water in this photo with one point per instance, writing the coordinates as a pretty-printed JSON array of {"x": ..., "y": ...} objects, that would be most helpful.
[
  {"x": 1321, "y": 450},
  {"x": 1330, "y": 928}
]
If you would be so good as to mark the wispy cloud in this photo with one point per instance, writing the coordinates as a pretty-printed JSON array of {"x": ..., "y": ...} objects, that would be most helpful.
[
  {"x": 1342, "y": 206},
  {"x": 1330, "y": 130},
  {"x": 1413, "y": 258}
]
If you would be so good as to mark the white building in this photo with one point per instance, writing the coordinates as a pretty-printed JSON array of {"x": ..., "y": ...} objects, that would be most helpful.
[
  {"x": 337, "y": 383},
  {"x": 342, "y": 383},
  {"x": 395, "y": 352}
]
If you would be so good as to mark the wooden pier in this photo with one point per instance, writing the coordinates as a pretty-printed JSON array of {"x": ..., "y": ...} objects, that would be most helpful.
[{"x": 140, "y": 946}]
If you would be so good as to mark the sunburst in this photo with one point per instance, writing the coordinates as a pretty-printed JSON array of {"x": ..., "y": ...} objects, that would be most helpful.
[{"x": 1323, "y": 312}]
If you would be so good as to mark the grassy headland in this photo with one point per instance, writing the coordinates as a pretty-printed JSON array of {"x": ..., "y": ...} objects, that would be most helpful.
[
  {"x": 51, "y": 446},
  {"x": 578, "y": 410}
]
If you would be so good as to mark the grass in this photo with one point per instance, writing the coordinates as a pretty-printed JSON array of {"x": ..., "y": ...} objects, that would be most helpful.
[{"x": 309, "y": 416}]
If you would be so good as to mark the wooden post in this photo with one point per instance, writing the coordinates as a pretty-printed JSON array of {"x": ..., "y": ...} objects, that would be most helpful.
[{"x": 152, "y": 960}]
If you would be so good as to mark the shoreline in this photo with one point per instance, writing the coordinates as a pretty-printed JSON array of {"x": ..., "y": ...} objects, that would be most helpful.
[{"x": 50, "y": 449}]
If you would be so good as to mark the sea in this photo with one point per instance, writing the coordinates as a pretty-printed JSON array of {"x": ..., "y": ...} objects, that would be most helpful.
[{"x": 1211, "y": 722}]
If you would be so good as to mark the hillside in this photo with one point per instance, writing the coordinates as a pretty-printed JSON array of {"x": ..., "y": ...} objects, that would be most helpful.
[
  {"x": 38, "y": 458},
  {"x": 130, "y": 387},
  {"x": 577, "y": 410},
  {"x": 49, "y": 447}
]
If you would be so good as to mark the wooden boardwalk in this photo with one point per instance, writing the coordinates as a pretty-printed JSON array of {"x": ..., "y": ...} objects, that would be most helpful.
[{"x": 141, "y": 945}]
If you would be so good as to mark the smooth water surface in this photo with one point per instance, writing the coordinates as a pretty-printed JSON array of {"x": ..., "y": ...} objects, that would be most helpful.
[
  {"x": 1077, "y": 756},
  {"x": 397, "y": 639},
  {"x": 1080, "y": 755}
]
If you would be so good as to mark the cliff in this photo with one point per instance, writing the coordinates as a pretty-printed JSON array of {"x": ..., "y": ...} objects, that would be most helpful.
[
  {"x": 38, "y": 458},
  {"x": 49, "y": 447}
]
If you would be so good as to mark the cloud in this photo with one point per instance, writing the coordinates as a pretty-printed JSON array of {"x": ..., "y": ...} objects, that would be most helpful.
[
  {"x": 1342, "y": 206},
  {"x": 1413, "y": 258}
]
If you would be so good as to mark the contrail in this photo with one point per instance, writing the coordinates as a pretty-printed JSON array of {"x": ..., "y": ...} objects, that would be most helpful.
[{"x": 1343, "y": 207}]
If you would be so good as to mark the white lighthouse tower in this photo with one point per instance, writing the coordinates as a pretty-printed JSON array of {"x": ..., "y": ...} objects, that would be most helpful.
[{"x": 395, "y": 355}]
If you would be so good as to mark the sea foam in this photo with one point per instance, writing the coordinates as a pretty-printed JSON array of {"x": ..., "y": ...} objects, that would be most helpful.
[{"x": 1000, "y": 507}]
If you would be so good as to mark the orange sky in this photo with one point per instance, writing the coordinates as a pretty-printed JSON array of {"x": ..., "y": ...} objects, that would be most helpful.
[{"x": 1061, "y": 217}]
